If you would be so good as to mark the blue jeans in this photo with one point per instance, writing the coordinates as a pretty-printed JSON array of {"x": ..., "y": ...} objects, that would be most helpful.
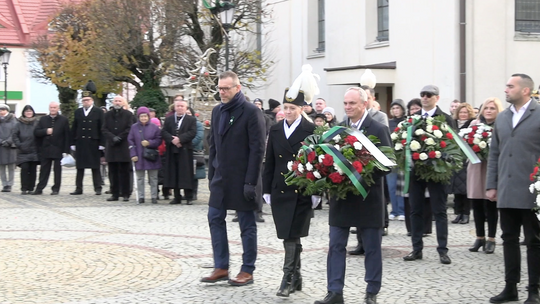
[
  {"x": 398, "y": 204},
  {"x": 220, "y": 242}
]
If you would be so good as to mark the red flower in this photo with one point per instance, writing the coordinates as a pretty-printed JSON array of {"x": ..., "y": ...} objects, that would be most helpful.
[
  {"x": 471, "y": 135},
  {"x": 416, "y": 156},
  {"x": 358, "y": 166},
  {"x": 531, "y": 177},
  {"x": 434, "y": 127},
  {"x": 311, "y": 156},
  {"x": 432, "y": 154},
  {"x": 443, "y": 144},
  {"x": 350, "y": 140},
  {"x": 535, "y": 170},
  {"x": 474, "y": 128},
  {"x": 449, "y": 135},
  {"x": 310, "y": 176},
  {"x": 396, "y": 129},
  {"x": 476, "y": 148},
  {"x": 336, "y": 178},
  {"x": 485, "y": 135},
  {"x": 410, "y": 120},
  {"x": 423, "y": 137},
  {"x": 295, "y": 165},
  {"x": 207, "y": 123},
  {"x": 404, "y": 142},
  {"x": 328, "y": 160},
  {"x": 470, "y": 141}
]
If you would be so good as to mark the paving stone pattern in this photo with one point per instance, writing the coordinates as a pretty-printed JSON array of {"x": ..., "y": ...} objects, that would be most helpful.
[{"x": 83, "y": 249}]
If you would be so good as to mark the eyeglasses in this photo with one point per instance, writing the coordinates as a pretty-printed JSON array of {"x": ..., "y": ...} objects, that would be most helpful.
[
  {"x": 427, "y": 94},
  {"x": 225, "y": 89}
]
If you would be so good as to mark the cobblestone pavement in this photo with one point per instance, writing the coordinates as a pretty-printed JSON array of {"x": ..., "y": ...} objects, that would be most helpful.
[{"x": 83, "y": 249}]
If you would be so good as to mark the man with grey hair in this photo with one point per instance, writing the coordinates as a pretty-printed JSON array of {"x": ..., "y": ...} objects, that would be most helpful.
[
  {"x": 375, "y": 114},
  {"x": 52, "y": 141},
  {"x": 8, "y": 155}
]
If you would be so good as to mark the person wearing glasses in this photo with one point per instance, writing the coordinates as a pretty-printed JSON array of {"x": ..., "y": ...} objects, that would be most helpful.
[
  {"x": 437, "y": 191},
  {"x": 237, "y": 142}
]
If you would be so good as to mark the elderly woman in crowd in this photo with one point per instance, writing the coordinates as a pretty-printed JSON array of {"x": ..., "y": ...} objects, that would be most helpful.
[
  {"x": 476, "y": 184},
  {"x": 145, "y": 135},
  {"x": 8, "y": 155},
  {"x": 24, "y": 140}
]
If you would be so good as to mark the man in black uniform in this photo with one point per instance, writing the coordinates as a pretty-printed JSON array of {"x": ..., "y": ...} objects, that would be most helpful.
[{"x": 88, "y": 141}]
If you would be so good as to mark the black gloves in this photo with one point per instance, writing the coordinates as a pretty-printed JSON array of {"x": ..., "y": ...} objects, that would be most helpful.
[
  {"x": 249, "y": 192},
  {"x": 117, "y": 139},
  {"x": 5, "y": 143}
]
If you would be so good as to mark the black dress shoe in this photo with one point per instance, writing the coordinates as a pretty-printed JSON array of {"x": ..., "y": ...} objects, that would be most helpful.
[
  {"x": 331, "y": 298},
  {"x": 126, "y": 199},
  {"x": 141, "y": 201},
  {"x": 533, "y": 298},
  {"x": 154, "y": 201},
  {"x": 37, "y": 192},
  {"x": 108, "y": 192},
  {"x": 464, "y": 219},
  {"x": 112, "y": 199},
  {"x": 359, "y": 250},
  {"x": 259, "y": 218},
  {"x": 490, "y": 247},
  {"x": 445, "y": 259},
  {"x": 457, "y": 219},
  {"x": 24, "y": 192},
  {"x": 175, "y": 201},
  {"x": 477, "y": 244},
  {"x": 76, "y": 192},
  {"x": 414, "y": 255},
  {"x": 98, "y": 192},
  {"x": 188, "y": 202},
  {"x": 409, "y": 233},
  {"x": 54, "y": 193},
  {"x": 6, "y": 189},
  {"x": 370, "y": 298},
  {"x": 508, "y": 294}
]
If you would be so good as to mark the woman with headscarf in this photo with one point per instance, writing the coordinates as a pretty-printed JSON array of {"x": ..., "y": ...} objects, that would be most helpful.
[
  {"x": 24, "y": 140},
  {"x": 8, "y": 155}
]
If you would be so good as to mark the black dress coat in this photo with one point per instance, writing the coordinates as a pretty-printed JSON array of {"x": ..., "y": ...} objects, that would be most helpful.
[
  {"x": 291, "y": 210},
  {"x": 117, "y": 123},
  {"x": 183, "y": 155},
  {"x": 24, "y": 140},
  {"x": 52, "y": 146},
  {"x": 87, "y": 137},
  {"x": 355, "y": 211},
  {"x": 236, "y": 156}
]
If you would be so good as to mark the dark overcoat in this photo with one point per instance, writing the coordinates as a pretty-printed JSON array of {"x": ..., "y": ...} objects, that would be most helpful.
[
  {"x": 235, "y": 156},
  {"x": 184, "y": 154},
  {"x": 87, "y": 138},
  {"x": 52, "y": 146},
  {"x": 355, "y": 211},
  {"x": 24, "y": 140},
  {"x": 117, "y": 123},
  {"x": 8, "y": 155},
  {"x": 291, "y": 210}
]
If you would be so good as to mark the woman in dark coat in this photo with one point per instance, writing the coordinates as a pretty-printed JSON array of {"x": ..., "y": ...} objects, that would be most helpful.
[
  {"x": 24, "y": 140},
  {"x": 197, "y": 142},
  {"x": 464, "y": 115},
  {"x": 291, "y": 210}
]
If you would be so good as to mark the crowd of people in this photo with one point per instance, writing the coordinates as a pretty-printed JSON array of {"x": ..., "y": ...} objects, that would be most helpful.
[{"x": 243, "y": 179}]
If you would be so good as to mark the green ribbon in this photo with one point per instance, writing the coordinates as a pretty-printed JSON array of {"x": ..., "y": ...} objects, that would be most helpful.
[
  {"x": 467, "y": 150},
  {"x": 408, "y": 158}
]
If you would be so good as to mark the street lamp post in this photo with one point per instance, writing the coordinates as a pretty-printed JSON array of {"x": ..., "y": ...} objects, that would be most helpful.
[
  {"x": 5, "y": 54},
  {"x": 226, "y": 15}
]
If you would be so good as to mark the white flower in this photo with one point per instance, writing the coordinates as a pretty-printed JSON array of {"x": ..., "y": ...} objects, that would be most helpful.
[
  {"x": 321, "y": 157},
  {"x": 467, "y": 130},
  {"x": 398, "y": 147},
  {"x": 400, "y": 124},
  {"x": 415, "y": 145},
  {"x": 476, "y": 135},
  {"x": 337, "y": 147},
  {"x": 317, "y": 174},
  {"x": 438, "y": 154},
  {"x": 404, "y": 135},
  {"x": 312, "y": 146},
  {"x": 482, "y": 145},
  {"x": 444, "y": 127},
  {"x": 423, "y": 156},
  {"x": 531, "y": 188},
  {"x": 429, "y": 128},
  {"x": 538, "y": 199},
  {"x": 430, "y": 141},
  {"x": 300, "y": 168},
  {"x": 357, "y": 146},
  {"x": 476, "y": 141},
  {"x": 419, "y": 132},
  {"x": 438, "y": 133},
  {"x": 537, "y": 186},
  {"x": 336, "y": 138},
  {"x": 394, "y": 136},
  {"x": 338, "y": 169},
  {"x": 309, "y": 167},
  {"x": 429, "y": 119},
  {"x": 289, "y": 165}
]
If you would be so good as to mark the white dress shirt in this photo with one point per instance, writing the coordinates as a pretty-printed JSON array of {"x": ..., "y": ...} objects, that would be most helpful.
[
  {"x": 518, "y": 114},
  {"x": 289, "y": 130}
]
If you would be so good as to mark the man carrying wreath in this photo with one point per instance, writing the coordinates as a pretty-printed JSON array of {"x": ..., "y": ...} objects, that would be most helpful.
[{"x": 355, "y": 211}]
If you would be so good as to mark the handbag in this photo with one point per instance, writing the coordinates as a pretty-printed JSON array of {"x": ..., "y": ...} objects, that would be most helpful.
[
  {"x": 149, "y": 153},
  {"x": 68, "y": 161},
  {"x": 198, "y": 156}
]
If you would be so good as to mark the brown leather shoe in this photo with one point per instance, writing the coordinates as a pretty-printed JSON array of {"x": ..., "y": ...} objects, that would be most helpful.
[
  {"x": 217, "y": 275},
  {"x": 243, "y": 278}
]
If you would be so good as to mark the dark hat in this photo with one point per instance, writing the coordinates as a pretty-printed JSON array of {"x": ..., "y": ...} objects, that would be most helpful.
[
  {"x": 320, "y": 115},
  {"x": 433, "y": 89},
  {"x": 257, "y": 100},
  {"x": 299, "y": 100},
  {"x": 272, "y": 104},
  {"x": 86, "y": 94},
  {"x": 398, "y": 102}
]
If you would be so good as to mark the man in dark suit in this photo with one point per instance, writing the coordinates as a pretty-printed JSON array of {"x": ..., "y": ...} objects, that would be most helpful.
[
  {"x": 514, "y": 150},
  {"x": 355, "y": 211},
  {"x": 116, "y": 127},
  {"x": 88, "y": 142},
  {"x": 53, "y": 139},
  {"x": 237, "y": 140},
  {"x": 437, "y": 191},
  {"x": 178, "y": 131}
]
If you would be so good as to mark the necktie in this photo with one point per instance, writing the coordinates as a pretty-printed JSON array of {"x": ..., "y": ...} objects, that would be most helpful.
[
  {"x": 354, "y": 126},
  {"x": 425, "y": 115}
]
